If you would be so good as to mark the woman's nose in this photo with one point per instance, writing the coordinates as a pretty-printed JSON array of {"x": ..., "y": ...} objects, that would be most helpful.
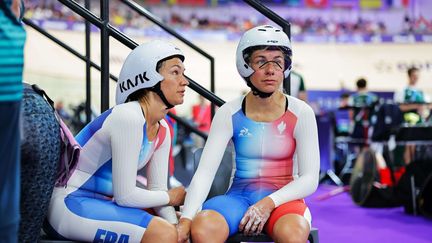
[
  {"x": 185, "y": 80},
  {"x": 270, "y": 67}
]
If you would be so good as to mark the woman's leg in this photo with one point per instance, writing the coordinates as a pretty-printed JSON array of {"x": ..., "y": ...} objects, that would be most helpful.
[
  {"x": 209, "y": 226},
  {"x": 290, "y": 222},
  {"x": 159, "y": 230},
  {"x": 291, "y": 228},
  {"x": 219, "y": 219},
  {"x": 79, "y": 215}
]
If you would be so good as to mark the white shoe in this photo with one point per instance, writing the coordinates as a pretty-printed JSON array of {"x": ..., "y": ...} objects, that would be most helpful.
[{"x": 174, "y": 182}]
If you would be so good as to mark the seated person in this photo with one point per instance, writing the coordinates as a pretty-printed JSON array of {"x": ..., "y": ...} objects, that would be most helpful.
[
  {"x": 277, "y": 155},
  {"x": 101, "y": 200}
]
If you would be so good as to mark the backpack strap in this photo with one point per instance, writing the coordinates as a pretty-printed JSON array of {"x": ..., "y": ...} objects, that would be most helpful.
[{"x": 42, "y": 93}]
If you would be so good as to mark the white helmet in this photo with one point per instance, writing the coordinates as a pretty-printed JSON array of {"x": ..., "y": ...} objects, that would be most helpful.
[
  {"x": 265, "y": 35},
  {"x": 139, "y": 69}
]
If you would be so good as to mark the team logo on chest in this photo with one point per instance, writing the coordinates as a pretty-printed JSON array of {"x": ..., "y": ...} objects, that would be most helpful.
[
  {"x": 281, "y": 127},
  {"x": 244, "y": 132}
]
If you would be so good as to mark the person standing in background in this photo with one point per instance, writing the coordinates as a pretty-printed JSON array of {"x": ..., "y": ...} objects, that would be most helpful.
[
  {"x": 411, "y": 102},
  {"x": 411, "y": 98},
  {"x": 361, "y": 103},
  {"x": 297, "y": 86},
  {"x": 12, "y": 40}
]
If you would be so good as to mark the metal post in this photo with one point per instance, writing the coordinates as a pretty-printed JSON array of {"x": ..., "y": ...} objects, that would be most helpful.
[
  {"x": 88, "y": 66},
  {"x": 212, "y": 84},
  {"x": 104, "y": 9}
]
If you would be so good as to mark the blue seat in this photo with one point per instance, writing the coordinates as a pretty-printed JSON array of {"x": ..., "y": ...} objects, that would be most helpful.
[{"x": 220, "y": 186}]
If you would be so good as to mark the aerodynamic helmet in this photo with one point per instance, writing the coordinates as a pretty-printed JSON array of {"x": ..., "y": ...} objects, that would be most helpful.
[{"x": 139, "y": 69}]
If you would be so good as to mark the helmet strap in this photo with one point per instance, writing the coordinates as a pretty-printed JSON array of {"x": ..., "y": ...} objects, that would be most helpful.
[
  {"x": 157, "y": 89},
  {"x": 256, "y": 91}
]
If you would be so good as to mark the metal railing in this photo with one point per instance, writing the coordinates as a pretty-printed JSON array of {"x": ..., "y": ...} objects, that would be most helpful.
[{"x": 108, "y": 30}]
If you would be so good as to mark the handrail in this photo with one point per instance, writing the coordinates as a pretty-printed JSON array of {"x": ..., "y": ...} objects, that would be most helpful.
[
  {"x": 88, "y": 110},
  {"x": 118, "y": 35},
  {"x": 180, "y": 120},
  {"x": 144, "y": 12},
  {"x": 104, "y": 44},
  {"x": 108, "y": 30},
  {"x": 285, "y": 25},
  {"x": 64, "y": 45}
]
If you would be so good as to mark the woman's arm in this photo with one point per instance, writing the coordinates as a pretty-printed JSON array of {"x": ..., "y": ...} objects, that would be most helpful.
[
  {"x": 126, "y": 133},
  {"x": 214, "y": 149},
  {"x": 157, "y": 175},
  {"x": 306, "y": 135}
]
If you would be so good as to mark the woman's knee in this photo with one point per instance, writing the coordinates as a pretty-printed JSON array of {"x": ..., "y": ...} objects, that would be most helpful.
[
  {"x": 209, "y": 225},
  {"x": 160, "y": 230},
  {"x": 291, "y": 229}
]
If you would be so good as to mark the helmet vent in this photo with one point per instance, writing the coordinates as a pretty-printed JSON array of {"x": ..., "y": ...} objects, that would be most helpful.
[
  {"x": 262, "y": 30},
  {"x": 246, "y": 66},
  {"x": 277, "y": 30}
]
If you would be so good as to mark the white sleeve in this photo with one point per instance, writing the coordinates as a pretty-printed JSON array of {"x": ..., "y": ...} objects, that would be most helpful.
[
  {"x": 306, "y": 136},
  {"x": 214, "y": 149},
  {"x": 399, "y": 96},
  {"x": 157, "y": 176},
  {"x": 126, "y": 138}
]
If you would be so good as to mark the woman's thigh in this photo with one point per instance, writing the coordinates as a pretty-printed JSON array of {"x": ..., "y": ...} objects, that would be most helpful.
[
  {"x": 296, "y": 207},
  {"x": 95, "y": 219},
  {"x": 230, "y": 207}
]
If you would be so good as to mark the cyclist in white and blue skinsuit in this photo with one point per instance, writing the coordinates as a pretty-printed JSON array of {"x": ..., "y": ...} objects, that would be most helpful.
[{"x": 101, "y": 202}]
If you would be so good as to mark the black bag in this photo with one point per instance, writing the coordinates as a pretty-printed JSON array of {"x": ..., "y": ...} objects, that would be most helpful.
[
  {"x": 40, "y": 154},
  {"x": 365, "y": 190},
  {"x": 420, "y": 170},
  {"x": 425, "y": 198},
  {"x": 49, "y": 155},
  {"x": 386, "y": 121}
]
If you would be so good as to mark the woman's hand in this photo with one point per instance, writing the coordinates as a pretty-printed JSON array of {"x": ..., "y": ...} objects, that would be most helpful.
[
  {"x": 176, "y": 196},
  {"x": 183, "y": 230},
  {"x": 256, "y": 216}
]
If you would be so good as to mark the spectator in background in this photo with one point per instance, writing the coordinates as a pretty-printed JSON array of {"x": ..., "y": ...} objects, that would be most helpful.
[
  {"x": 12, "y": 40},
  {"x": 201, "y": 116},
  {"x": 65, "y": 116},
  {"x": 361, "y": 103},
  {"x": 297, "y": 86},
  {"x": 411, "y": 100}
]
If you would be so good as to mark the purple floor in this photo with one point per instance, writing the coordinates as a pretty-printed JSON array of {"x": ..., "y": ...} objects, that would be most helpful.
[{"x": 340, "y": 220}]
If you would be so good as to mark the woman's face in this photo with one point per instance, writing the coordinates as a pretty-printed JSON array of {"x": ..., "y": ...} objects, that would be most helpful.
[
  {"x": 174, "y": 84},
  {"x": 269, "y": 69}
]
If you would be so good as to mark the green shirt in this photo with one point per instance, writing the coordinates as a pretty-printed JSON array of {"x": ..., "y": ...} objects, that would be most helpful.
[{"x": 361, "y": 100}]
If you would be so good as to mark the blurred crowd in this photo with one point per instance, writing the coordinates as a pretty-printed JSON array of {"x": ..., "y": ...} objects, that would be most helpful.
[{"x": 121, "y": 15}]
